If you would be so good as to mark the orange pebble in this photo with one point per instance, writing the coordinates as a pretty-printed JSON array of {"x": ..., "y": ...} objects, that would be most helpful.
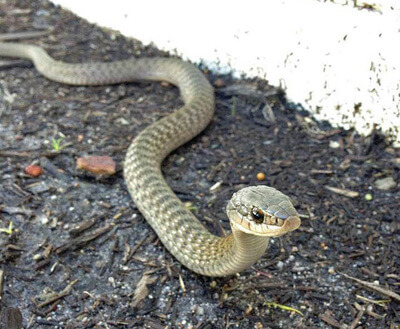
[
  {"x": 260, "y": 176},
  {"x": 33, "y": 170},
  {"x": 324, "y": 246}
]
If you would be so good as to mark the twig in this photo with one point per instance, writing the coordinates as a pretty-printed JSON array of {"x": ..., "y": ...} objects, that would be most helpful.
[
  {"x": 369, "y": 311},
  {"x": 62, "y": 294},
  {"x": 82, "y": 226},
  {"x": 29, "y": 153},
  {"x": 80, "y": 241},
  {"x": 16, "y": 210},
  {"x": 328, "y": 318},
  {"x": 24, "y": 35},
  {"x": 358, "y": 318},
  {"x": 321, "y": 172},
  {"x": 374, "y": 287},
  {"x": 380, "y": 303},
  {"x": 131, "y": 252},
  {"x": 348, "y": 193},
  {"x": 1, "y": 283}
]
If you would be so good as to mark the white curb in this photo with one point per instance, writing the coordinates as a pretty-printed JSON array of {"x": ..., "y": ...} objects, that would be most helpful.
[{"x": 340, "y": 62}]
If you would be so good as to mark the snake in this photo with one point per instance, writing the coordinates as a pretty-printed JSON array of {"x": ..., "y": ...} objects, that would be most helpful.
[{"x": 256, "y": 213}]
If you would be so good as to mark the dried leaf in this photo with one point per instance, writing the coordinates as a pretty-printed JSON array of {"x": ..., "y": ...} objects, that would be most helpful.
[{"x": 141, "y": 290}]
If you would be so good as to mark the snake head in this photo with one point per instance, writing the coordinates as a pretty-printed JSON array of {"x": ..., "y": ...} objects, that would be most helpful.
[{"x": 262, "y": 210}]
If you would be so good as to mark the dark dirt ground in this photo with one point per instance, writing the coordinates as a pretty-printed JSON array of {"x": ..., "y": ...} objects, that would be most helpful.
[{"x": 64, "y": 278}]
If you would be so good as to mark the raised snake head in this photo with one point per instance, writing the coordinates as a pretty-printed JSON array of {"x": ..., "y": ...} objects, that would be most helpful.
[{"x": 262, "y": 210}]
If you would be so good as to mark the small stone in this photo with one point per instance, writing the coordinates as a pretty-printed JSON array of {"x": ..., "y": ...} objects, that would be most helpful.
[
  {"x": 385, "y": 184},
  {"x": 219, "y": 83},
  {"x": 334, "y": 144},
  {"x": 54, "y": 223},
  {"x": 122, "y": 121},
  {"x": 197, "y": 309},
  {"x": 324, "y": 246},
  {"x": 200, "y": 310},
  {"x": 33, "y": 170},
  {"x": 44, "y": 220},
  {"x": 37, "y": 256},
  {"x": 258, "y": 325},
  {"x": 111, "y": 281}
]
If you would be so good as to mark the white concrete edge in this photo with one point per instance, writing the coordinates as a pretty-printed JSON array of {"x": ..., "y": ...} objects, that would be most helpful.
[{"x": 341, "y": 63}]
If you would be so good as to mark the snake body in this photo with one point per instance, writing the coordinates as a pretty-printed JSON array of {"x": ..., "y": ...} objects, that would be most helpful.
[{"x": 255, "y": 213}]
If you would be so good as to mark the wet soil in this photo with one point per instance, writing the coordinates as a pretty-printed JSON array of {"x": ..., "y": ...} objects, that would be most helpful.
[{"x": 80, "y": 255}]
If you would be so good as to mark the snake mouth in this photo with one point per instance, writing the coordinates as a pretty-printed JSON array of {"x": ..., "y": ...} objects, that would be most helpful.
[{"x": 269, "y": 227}]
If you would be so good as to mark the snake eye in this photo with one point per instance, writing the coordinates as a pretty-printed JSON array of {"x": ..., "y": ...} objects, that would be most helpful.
[{"x": 257, "y": 215}]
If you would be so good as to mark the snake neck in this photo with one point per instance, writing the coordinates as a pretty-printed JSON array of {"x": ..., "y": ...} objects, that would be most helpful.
[
  {"x": 227, "y": 255},
  {"x": 246, "y": 249},
  {"x": 209, "y": 255}
]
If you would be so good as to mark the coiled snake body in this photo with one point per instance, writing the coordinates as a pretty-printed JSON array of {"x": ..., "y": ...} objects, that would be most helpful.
[{"x": 255, "y": 213}]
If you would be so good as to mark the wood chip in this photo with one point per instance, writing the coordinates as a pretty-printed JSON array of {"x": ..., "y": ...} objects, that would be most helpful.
[
  {"x": 327, "y": 317},
  {"x": 358, "y": 318},
  {"x": 141, "y": 290},
  {"x": 182, "y": 283},
  {"x": 321, "y": 171}
]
